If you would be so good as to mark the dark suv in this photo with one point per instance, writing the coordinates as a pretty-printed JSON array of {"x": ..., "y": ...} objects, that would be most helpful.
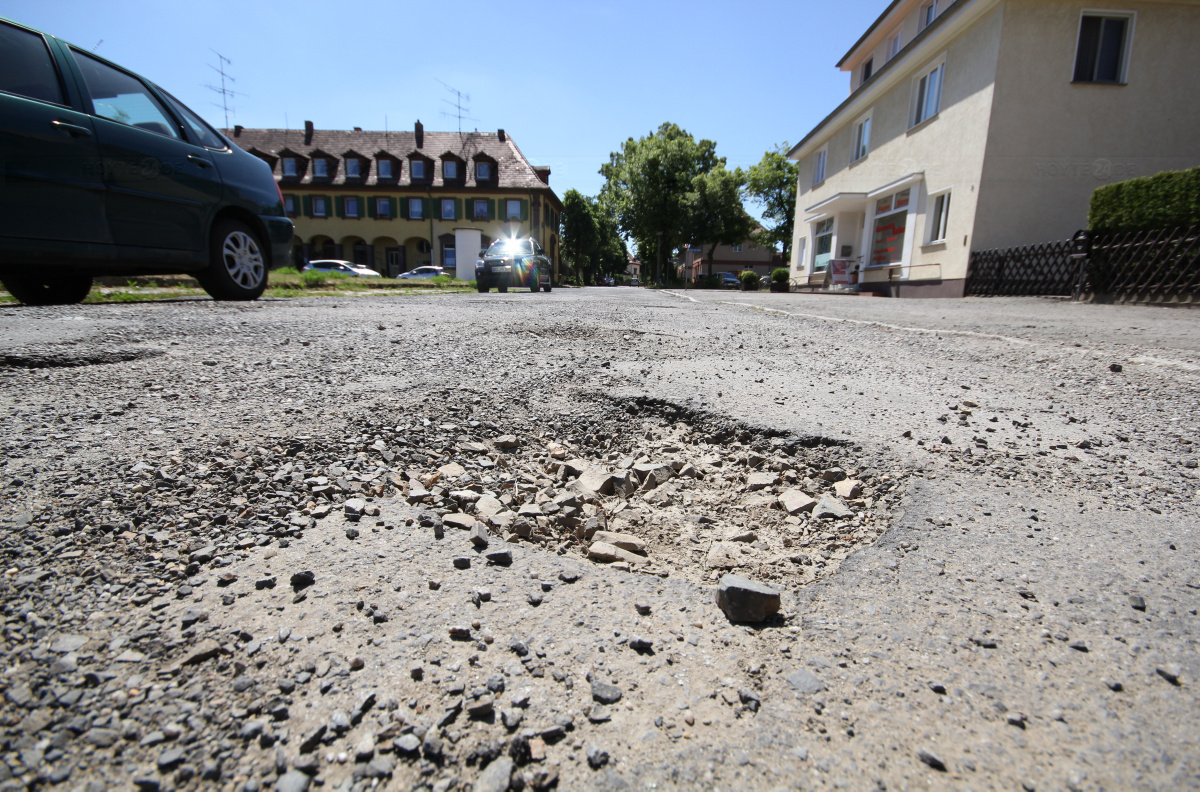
[
  {"x": 104, "y": 173},
  {"x": 518, "y": 262}
]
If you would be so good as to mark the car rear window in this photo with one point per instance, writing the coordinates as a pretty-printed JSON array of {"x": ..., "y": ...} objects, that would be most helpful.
[
  {"x": 121, "y": 97},
  {"x": 26, "y": 67},
  {"x": 200, "y": 132}
]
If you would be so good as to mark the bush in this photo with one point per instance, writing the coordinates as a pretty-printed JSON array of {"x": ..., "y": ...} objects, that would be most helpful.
[
  {"x": 749, "y": 279},
  {"x": 1166, "y": 200},
  {"x": 285, "y": 271},
  {"x": 781, "y": 275},
  {"x": 315, "y": 279}
]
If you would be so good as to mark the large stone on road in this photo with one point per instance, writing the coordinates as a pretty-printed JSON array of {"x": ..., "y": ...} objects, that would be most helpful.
[{"x": 744, "y": 600}]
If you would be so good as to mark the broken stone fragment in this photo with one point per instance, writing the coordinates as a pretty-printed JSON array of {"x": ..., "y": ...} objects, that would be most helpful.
[
  {"x": 724, "y": 555},
  {"x": 607, "y": 553},
  {"x": 479, "y": 535},
  {"x": 451, "y": 471},
  {"x": 831, "y": 507},
  {"x": 622, "y": 540},
  {"x": 354, "y": 508},
  {"x": 507, "y": 442},
  {"x": 794, "y": 501},
  {"x": 758, "y": 481},
  {"x": 744, "y": 600},
  {"x": 595, "y": 480},
  {"x": 653, "y": 474},
  {"x": 487, "y": 506},
  {"x": 459, "y": 520},
  {"x": 848, "y": 488}
]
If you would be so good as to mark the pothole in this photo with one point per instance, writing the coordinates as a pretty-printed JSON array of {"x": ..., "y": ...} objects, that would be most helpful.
[{"x": 71, "y": 360}]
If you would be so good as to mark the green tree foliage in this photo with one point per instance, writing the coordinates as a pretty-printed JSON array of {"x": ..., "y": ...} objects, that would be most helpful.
[
  {"x": 591, "y": 243},
  {"x": 772, "y": 185},
  {"x": 716, "y": 215},
  {"x": 649, "y": 184}
]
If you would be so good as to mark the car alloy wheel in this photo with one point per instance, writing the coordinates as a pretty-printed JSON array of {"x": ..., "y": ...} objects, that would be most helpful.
[{"x": 238, "y": 269}]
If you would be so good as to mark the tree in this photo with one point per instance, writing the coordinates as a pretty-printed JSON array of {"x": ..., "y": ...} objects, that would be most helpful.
[
  {"x": 772, "y": 184},
  {"x": 716, "y": 211},
  {"x": 648, "y": 183},
  {"x": 579, "y": 232}
]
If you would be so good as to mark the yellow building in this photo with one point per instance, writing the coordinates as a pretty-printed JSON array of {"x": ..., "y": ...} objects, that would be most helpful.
[
  {"x": 980, "y": 124},
  {"x": 395, "y": 200}
]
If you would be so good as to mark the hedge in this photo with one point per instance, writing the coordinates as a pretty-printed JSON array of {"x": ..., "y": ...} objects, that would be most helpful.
[{"x": 1166, "y": 200}]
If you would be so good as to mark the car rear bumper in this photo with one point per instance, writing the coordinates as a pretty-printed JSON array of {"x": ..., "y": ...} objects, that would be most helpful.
[{"x": 280, "y": 232}]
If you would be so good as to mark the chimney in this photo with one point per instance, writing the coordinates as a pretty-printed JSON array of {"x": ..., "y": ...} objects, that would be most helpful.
[
  {"x": 358, "y": 129},
  {"x": 543, "y": 172},
  {"x": 308, "y": 133},
  {"x": 419, "y": 130},
  {"x": 237, "y": 130},
  {"x": 503, "y": 137}
]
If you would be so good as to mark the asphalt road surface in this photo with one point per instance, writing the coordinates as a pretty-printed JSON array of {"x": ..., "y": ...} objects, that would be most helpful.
[{"x": 353, "y": 542}]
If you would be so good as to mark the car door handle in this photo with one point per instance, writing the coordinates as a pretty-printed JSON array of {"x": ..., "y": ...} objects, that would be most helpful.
[
  {"x": 203, "y": 163},
  {"x": 71, "y": 129}
]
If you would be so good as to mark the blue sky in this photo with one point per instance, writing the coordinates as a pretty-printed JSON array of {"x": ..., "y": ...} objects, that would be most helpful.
[{"x": 569, "y": 81}]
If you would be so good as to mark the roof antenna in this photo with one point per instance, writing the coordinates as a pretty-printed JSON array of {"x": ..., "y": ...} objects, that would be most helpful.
[
  {"x": 226, "y": 93},
  {"x": 460, "y": 111}
]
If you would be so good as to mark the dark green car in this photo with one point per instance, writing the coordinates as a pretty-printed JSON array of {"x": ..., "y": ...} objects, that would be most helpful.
[
  {"x": 519, "y": 262},
  {"x": 104, "y": 173}
]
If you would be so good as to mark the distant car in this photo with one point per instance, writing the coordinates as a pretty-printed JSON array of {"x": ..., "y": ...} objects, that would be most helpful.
[
  {"x": 343, "y": 267},
  {"x": 634, "y": 281},
  {"x": 518, "y": 262},
  {"x": 728, "y": 280},
  {"x": 608, "y": 280},
  {"x": 104, "y": 173},
  {"x": 428, "y": 271}
]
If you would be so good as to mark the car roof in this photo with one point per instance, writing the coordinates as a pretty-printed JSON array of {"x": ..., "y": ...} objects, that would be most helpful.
[{"x": 333, "y": 261}]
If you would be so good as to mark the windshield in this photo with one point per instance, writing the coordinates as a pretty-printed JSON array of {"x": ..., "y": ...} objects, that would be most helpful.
[{"x": 510, "y": 247}]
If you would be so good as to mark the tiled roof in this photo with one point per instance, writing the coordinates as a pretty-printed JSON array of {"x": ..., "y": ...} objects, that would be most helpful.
[{"x": 513, "y": 169}]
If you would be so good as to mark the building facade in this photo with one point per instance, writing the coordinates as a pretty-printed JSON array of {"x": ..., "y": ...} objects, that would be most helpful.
[
  {"x": 978, "y": 124},
  {"x": 396, "y": 200},
  {"x": 729, "y": 258}
]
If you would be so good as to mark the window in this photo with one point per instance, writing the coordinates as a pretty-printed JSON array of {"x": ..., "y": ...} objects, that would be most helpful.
[
  {"x": 862, "y": 140},
  {"x": 447, "y": 208},
  {"x": 449, "y": 169},
  {"x": 383, "y": 207},
  {"x": 819, "y": 166},
  {"x": 938, "y": 218},
  {"x": 1100, "y": 56},
  {"x": 448, "y": 257},
  {"x": 928, "y": 14},
  {"x": 384, "y": 169},
  {"x": 351, "y": 205},
  {"x": 483, "y": 171},
  {"x": 121, "y": 97},
  {"x": 737, "y": 248},
  {"x": 512, "y": 210},
  {"x": 415, "y": 208},
  {"x": 320, "y": 168},
  {"x": 893, "y": 45},
  {"x": 928, "y": 100},
  {"x": 199, "y": 132},
  {"x": 481, "y": 209},
  {"x": 891, "y": 220},
  {"x": 418, "y": 169},
  {"x": 26, "y": 67},
  {"x": 353, "y": 170},
  {"x": 289, "y": 167},
  {"x": 319, "y": 209},
  {"x": 823, "y": 247},
  {"x": 289, "y": 204},
  {"x": 868, "y": 69}
]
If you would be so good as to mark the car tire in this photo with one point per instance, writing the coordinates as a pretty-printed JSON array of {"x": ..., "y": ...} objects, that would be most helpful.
[
  {"x": 237, "y": 267},
  {"x": 548, "y": 286},
  {"x": 534, "y": 281},
  {"x": 502, "y": 284},
  {"x": 481, "y": 287},
  {"x": 52, "y": 287}
]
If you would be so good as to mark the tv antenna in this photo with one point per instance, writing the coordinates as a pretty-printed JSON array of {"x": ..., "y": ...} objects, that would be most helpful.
[
  {"x": 98, "y": 43},
  {"x": 460, "y": 112},
  {"x": 225, "y": 93}
]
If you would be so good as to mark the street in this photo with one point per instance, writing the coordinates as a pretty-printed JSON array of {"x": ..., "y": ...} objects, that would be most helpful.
[{"x": 358, "y": 540}]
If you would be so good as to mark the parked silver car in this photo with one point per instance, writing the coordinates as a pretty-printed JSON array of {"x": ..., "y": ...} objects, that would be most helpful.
[{"x": 341, "y": 267}]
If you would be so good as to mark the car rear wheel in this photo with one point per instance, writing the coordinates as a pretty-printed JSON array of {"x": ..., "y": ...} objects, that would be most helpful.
[
  {"x": 237, "y": 268},
  {"x": 48, "y": 288},
  {"x": 533, "y": 281},
  {"x": 548, "y": 286}
]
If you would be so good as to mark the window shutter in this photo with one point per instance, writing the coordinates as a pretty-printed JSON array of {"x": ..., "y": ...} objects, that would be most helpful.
[
  {"x": 458, "y": 209},
  {"x": 371, "y": 206},
  {"x": 362, "y": 206},
  {"x": 491, "y": 214},
  {"x": 340, "y": 206},
  {"x": 426, "y": 208},
  {"x": 308, "y": 206},
  {"x": 524, "y": 210},
  {"x": 403, "y": 200},
  {"x": 393, "y": 207}
]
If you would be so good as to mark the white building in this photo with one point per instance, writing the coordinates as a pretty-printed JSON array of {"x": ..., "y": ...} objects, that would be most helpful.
[{"x": 978, "y": 124}]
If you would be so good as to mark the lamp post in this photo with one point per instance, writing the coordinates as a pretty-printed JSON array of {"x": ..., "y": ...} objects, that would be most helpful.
[{"x": 658, "y": 263}]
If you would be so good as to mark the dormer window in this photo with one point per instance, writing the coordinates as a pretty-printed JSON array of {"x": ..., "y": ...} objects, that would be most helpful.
[
  {"x": 320, "y": 168},
  {"x": 353, "y": 168},
  {"x": 289, "y": 167},
  {"x": 449, "y": 170},
  {"x": 868, "y": 69},
  {"x": 483, "y": 171},
  {"x": 418, "y": 170},
  {"x": 928, "y": 14},
  {"x": 385, "y": 169}
]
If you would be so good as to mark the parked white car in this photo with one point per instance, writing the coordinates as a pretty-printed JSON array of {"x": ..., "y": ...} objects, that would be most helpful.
[{"x": 342, "y": 267}]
